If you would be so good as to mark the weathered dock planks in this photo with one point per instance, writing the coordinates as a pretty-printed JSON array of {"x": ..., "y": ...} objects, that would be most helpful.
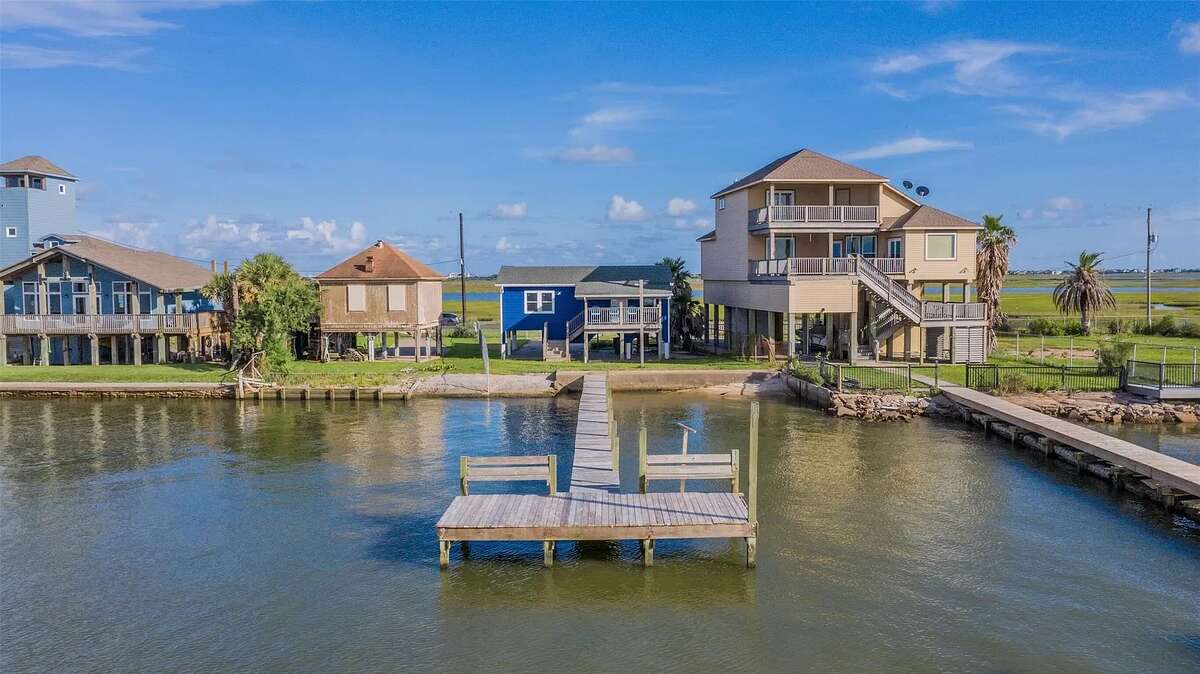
[
  {"x": 1165, "y": 469},
  {"x": 594, "y": 468}
]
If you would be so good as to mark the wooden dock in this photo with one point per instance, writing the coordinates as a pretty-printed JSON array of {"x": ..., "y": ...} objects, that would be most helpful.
[
  {"x": 595, "y": 467},
  {"x": 1159, "y": 467},
  {"x": 594, "y": 509}
]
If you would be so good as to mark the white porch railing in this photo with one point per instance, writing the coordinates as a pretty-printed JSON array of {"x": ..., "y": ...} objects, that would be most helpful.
[
  {"x": 815, "y": 214},
  {"x": 822, "y": 266},
  {"x": 100, "y": 324},
  {"x": 618, "y": 316},
  {"x": 954, "y": 311}
]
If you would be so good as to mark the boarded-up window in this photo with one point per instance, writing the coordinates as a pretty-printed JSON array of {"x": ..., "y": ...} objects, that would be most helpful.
[
  {"x": 396, "y": 297},
  {"x": 939, "y": 246},
  {"x": 356, "y": 298}
]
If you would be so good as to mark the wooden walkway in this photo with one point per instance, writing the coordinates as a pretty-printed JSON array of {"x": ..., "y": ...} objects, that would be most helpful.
[
  {"x": 595, "y": 466},
  {"x": 1164, "y": 469}
]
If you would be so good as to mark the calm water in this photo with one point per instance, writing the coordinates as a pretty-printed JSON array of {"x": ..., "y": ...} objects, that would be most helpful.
[
  {"x": 1181, "y": 441},
  {"x": 221, "y": 536}
]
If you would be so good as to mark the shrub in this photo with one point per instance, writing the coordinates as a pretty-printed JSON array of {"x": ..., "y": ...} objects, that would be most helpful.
[
  {"x": 1119, "y": 326},
  {"x": 1042, "y": 326},
  {"x": 1073, "y": 328},
  {"x": 462, "y": 331},
  {"x": 1190, "y": 329},
  {"x": 1112, "y": 355},
  {"x": 1011, "y": 383},
  {"x": 1165, "y": 326},
  {"x": 807, "y": 373}
]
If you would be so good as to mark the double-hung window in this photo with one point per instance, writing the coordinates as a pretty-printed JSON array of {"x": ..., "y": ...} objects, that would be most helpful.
[
  {"x": 145, "y": 302},
  {"x": 539, "y": 301},
  {"x": 894, "y": 247},
  {"x": 79, "y": 296},
  {"x": 122, "y": 300},
  {"x": 29, "y": 297},
  {"x": 54, "y": 297}
]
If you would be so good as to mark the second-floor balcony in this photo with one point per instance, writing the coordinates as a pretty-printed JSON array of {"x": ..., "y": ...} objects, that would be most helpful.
[
  {"x": 821, "y": 266},
  {"x": 867, "y": 216},
  {"x": 103, "y": 324}
]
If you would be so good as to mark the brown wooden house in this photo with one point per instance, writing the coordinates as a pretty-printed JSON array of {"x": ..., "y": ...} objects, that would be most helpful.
[{"x": 377, "y": 291}]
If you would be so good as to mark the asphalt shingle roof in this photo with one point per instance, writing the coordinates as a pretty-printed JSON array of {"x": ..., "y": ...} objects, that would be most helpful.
[
  {"x": 927, "y": 217},
  {"x": 592, "y": 281},
  {"x": 803, "y": 164},
  {"x": 34, "y": 164},
  {"x": 388, "y": 264},
  {"x": 158, "y": 269}
]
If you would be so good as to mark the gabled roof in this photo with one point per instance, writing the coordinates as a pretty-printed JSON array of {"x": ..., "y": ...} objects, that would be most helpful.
[
  {"x": 928, "y": 217},
  {"x": 157, "y": 269},
  {"x": 804, "y": 165},
  {"x": 592, "y": 281},
  {"x": 711, "y": 236},
  {"x": 35, "y": 164},
  {"x": 388, "y": 263}
]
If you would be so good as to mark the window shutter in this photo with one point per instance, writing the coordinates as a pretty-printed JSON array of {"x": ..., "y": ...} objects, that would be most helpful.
[
  {"x": 396, "y": 297},
  {"x": 356, "y": 298}
]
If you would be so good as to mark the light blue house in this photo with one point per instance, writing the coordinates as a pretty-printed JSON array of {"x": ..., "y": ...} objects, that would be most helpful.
[
  {"x": 83, "y": 300},
  {"x": 579, "y": 304},
  {"x": 36, "y": 197}
]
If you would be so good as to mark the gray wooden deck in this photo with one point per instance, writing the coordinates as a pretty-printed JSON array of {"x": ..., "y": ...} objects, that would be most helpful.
[
  {"x": 593, "y": 469},
  {"x": 1159, "y": 467}
]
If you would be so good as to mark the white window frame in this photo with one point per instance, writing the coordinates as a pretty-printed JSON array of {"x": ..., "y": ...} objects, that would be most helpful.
[
  {"x": 397, "y": 297},
  {"x": 62, "y": 189},
  {"x": 10, "y": 232},
  {"x": 28, "y": 307},
  {"x": 539, "y": 300},
  {"x": 772, "y": 254},
  {"x": 838, "y": 248},
  {"x": 54, "y": 289},
  {"x": 720, "y": 203},
  {"x": 953, "y": 245},
  {"x": 899, "y": 249},
  {"x": 124, "y": 291},
  {"x": 351, "y": 288},
  {"x": 791, "y": 198}
]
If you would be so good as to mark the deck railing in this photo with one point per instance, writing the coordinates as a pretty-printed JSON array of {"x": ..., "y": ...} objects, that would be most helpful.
[
  {"x": 100, "y": 324},
  {"x": 1162, "y": 375},
  {"x": 954, "y": 311},
  {"x": 1016, "y": 378},
  {"x": 815, "y": 214},
  {"x": 622, "y": 316},
  {"x": 822, "y": 266}
]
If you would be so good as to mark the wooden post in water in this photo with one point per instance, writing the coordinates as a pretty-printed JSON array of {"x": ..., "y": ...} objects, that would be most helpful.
[
  {"x": 642, "y": 459},
  {"x": 553, "y": 479},
  {"x": 462, "y": 475},
  {"x": 752, "y": 489}
]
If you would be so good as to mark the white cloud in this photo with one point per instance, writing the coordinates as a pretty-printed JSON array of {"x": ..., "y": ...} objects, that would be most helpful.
[
  {"x": 905, "y": 146},
  {"x": 697, "y": 224},
  {"x": 29, "y": 57},
  {"x": 1099, "y": 112},
  {"x": 325, "y": 234},
  {"x": 225, "y": 230},
  {"x": 514, "y": 211},
  {"x": 503, "y": 245},
  {"x": 679, "y": 206},
  {"x": 1189, "y": 36},
  {"x": 1064, "y": 204},
  {"x": 596, "y": 154},
  {"x": 934, "y": 7},
  {"x": 139, "y": 232},
  {"x": 621, "y": 209},
  {"x": 615, "y": 116},
  {"x": 976, "y": 66},
  {"x": 96, "y": 18}
]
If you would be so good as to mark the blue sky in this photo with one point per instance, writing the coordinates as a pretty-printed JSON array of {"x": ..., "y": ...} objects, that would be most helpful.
[{"x": 595, "y": 133}]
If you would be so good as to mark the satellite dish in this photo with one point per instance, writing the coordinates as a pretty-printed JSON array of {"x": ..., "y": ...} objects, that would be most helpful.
[
  {"x": 907, "y": 184},
  {"x": 922, "y": 191}
]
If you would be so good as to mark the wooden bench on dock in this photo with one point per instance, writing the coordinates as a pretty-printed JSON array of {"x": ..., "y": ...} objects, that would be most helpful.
[{"x": 541, "y": 468}]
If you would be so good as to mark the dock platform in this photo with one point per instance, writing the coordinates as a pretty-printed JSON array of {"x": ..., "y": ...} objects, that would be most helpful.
[{"x": 594, "y": 467}]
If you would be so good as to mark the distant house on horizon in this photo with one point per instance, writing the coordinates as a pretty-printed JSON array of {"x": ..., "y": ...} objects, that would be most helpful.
[
  {"x": 379, "y": 290},
  {"x": 575, "y": 304},
  {"x": 84, "y": 300}
]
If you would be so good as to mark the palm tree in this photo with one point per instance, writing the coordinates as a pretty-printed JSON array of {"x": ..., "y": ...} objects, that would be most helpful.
[
  {"x": 991, "y": 262},
  {"x": 1083, "y": 290},
  {"x": 683, "y": 308}
]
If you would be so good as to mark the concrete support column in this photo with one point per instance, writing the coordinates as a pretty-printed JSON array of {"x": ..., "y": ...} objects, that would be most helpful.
[
  {"x": 791, "y": 334},
  {"x": 114, "y": 352},
  {"x": 828, "y": 335},
  {"x": 137, "y": 349},
  {"x": 43, "y": 350},
  {"x": 160, "y": 348},
  {"x": 3, "y": 348},
  {"x": 807, "y": 335},
  {"x": 370, "y": 346},
  {"x": 416, "y": 335},
  {"x": 94, "y": 346},
  {"x": 853, "y": 354}
]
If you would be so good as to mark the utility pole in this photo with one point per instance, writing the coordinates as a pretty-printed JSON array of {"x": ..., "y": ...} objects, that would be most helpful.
[
  {"x": 1149, "y": 245},
  {"x": 462, "y": 271}
]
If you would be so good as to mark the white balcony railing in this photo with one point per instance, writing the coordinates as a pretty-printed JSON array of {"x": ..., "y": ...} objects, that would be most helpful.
[
  {"x": 954, "y": 311},
  {"x": 814, "y": 214},
  {"x": 622, "y": 316},
  {"x": 100, "y": 324},
  {"x": 822, "y": 266}
]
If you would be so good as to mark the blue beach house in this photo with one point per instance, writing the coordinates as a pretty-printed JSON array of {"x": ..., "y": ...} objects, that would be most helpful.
[{"x": 575, "y": 305}]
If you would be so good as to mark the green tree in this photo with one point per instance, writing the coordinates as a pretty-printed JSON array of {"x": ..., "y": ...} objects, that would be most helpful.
[
  {"x": 1083, "y": 290},
  {"x": 265, "y": 301},
  {"x": 685, "y": 323},
  {"x": 991, "y": 263}
]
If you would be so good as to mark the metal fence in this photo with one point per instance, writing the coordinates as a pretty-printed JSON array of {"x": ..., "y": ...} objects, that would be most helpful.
[
  {"x": 1041, "y": 378},
  {"x": 900, "y": 378},
  {"x": 1162, "y": 375},
  {"x": 1084, "y": 348}
]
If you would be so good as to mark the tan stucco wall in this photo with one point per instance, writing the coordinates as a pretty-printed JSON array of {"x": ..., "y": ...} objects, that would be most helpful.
[
  {"x": 892, "y": 206},
  {"x": 728, "y": 257},
  {"x": 810, "y": 295},
  {"x": 815, "y": 295},
  {"x": 962, "y": 268}
]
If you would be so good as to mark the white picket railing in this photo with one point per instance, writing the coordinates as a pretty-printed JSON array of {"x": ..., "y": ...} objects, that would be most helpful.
[
  {"x": 822, "y": 266},
  {"x": 617, "y": 316},
  {"x": 101, "y": 324},
  {"x": 814, "y": 213}
]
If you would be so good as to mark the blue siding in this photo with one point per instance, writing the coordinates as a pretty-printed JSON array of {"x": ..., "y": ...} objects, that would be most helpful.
[
  {"x": 566, "y": 307},
  {"x": 14, "y": 301},
  {"x": 35, "y": 213}
]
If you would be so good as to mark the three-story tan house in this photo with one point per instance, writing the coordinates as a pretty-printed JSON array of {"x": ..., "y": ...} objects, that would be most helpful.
[{"x": 812, "y": 254}]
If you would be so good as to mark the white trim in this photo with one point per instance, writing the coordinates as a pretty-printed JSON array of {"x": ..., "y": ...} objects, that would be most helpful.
[
  {"x": 907, "y": 198},
  {"x": 953, "y": 246},
  {"x": 10, "y": 232},
  {"x": 791, "y": 192},
  {"x": 62, "y": 188},
  {"x": 720, "y": 203},
  {"x": 535, "y": 285},
  {"x": 890, "y": 239},
  {"x": 539, "y": 301}
]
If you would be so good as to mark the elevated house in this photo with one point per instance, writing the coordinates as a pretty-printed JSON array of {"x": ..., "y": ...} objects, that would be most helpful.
[
  {"x": 81, "y": 299},
  {"x": 577, "y": 304},
  {"x": 37, "y": 197},
  {"x": 813, "y": 254},
  {"x": 376, "y": 291}
]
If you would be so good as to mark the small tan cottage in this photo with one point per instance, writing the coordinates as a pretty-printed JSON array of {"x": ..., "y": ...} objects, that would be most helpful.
[{"x": 377, "y": 291}]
